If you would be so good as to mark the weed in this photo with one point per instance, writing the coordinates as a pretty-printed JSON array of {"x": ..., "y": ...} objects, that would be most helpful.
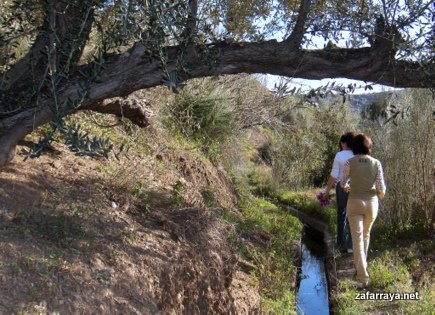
[
  {"x": 149, "y": 198},
  {"x": 388, "y": 272},
  {"x": 284, "y": 305},
  {"x": 306, "y": 202},
  {"x": 82, "y": 212},
  {"x": 177, "y": 197},
  {"x": 145, "y": 209},
  {"x": 129, "y": 234},
  {"x": 104, "y": 276},
  {"x": 208, "y": 197},
  {"x": 114, "y": 256},
  {"x": 412, "y": 260},
  {"x": 422, "y": 306},
  {"x": 139, "y": 190},
  {"x": 41, "y": 308},
  {"x": 228, "y": 216},
  {"x": 206, "y": 121},
  {"x": 238, "y": 245}
]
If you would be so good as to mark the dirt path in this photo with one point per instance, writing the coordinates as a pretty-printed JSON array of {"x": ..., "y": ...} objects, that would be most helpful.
[{"x": 345, "y": 268}]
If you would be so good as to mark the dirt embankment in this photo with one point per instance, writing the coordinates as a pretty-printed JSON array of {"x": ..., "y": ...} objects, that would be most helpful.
[{"x": 85, "y": 236}]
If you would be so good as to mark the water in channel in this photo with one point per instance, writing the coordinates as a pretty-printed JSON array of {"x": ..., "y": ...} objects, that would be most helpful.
[{"x": 312, "y": 295}]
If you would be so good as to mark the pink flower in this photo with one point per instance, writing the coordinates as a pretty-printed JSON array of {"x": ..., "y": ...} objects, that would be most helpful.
[{"x": 323, "y": 202}]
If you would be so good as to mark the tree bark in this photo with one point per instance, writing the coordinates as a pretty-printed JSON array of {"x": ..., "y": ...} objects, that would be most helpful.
[{"x": 133, "y": 108}]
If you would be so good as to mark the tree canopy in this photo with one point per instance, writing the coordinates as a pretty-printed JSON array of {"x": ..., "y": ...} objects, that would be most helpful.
[{"x": 62, "y": 56}]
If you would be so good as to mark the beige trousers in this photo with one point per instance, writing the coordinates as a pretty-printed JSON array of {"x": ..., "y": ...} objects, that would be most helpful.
[{"x": 361, "y": 214}]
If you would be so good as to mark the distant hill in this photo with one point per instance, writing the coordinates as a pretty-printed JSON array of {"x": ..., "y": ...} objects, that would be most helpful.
[
  {"x": 361, "y": 101},
  {"x": 357, "y": 102}
]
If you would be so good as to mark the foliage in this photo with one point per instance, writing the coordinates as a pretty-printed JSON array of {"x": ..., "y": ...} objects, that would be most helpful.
[
  {"x": 207, "y": 120},
  {"x": 306, "y": 202},
  {"x": 209, "y": 197},
  {"x": 406, "y": 152},
  {"x": 390, "y": 271},
  {"x": 56, "y": 52},
  {"x": 177, "y": 197},
  {"x": 303, "y": 157},
  {"x": 77, "y": 141},
  {"x": 19, "y": 22},
  {"x": 201, "y": 117}
]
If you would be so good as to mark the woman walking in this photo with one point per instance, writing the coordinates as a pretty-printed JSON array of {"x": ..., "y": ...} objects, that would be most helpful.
[
  {"x": 366, "y": 187},
  {"x": 343, "y": 240}
]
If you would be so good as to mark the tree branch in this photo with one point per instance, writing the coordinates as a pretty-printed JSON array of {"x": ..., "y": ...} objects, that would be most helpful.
[
  {"x": 295, "y": 39},
  {"x": 130, "y": 71},
  {"x": 190, "y": 29},
  {"x": 131, "y": 107}
]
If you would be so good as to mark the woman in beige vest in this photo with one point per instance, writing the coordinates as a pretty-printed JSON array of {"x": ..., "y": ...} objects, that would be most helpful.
[{"x": 366, "y": 187}]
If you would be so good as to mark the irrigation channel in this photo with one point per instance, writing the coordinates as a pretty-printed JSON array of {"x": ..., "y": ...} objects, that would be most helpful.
[
  {"x": 312, "y": 293},
  {"x": 318, "y": 275}
]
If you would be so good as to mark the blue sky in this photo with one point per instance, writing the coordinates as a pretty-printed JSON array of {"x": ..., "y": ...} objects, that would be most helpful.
[{"x": 316, "y": 42}]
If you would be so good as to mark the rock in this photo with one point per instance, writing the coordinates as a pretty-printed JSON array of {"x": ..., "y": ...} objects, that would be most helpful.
[
  {"x": 114, "y": 205},
  {"x": 56, "y": 164}
]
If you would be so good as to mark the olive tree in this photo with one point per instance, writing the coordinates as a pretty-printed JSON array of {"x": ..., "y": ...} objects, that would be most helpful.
[{"x": 59, "y": 56}]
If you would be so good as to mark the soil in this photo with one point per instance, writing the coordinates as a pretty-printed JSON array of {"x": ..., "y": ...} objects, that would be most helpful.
[{"x": 79, "y": 236}]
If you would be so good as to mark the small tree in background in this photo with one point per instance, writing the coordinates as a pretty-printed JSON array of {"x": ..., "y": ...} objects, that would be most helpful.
[
  {"x": 405, "y": 148},
  {"x": 303, "y": 155}
]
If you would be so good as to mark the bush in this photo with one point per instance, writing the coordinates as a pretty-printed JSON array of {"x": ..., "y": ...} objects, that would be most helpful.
[
  {"x": 302, "y": 157},
  {"x": 206, "y": 120}
]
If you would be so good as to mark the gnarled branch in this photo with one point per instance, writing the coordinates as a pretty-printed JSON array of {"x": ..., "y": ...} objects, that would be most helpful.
[{"x": 132, "y": 107}]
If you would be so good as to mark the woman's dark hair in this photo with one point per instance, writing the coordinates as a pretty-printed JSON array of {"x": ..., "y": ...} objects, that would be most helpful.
[
  {"x": 362, "y": 144},
  {"x": 347, "y": 138}
]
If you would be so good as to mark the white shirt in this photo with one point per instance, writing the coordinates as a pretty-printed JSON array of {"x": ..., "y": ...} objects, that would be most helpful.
[{"x": 339, "y": 161}]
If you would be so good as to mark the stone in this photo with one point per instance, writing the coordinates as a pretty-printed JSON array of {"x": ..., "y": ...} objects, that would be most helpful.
[{"x": 56, "y": 164}]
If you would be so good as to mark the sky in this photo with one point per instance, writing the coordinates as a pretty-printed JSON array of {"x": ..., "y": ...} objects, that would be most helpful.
[{"x": 306, "y": 85}]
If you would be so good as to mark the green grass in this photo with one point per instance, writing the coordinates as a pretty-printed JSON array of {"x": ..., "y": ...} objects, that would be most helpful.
[
  {"x": 306, "y": 202},
  {"x": 389, "y": 272},
  {"x": 391, "y": 265},
  {"x": 347, "y": 305},
  {"x": 264, "y": 234},
  {"x": 284, "y": 305}
]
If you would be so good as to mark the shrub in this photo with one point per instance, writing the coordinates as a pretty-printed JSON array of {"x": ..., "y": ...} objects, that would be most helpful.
[
  {"x": 206, "y": 120},
  {"x": 302, "y": 157}
]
